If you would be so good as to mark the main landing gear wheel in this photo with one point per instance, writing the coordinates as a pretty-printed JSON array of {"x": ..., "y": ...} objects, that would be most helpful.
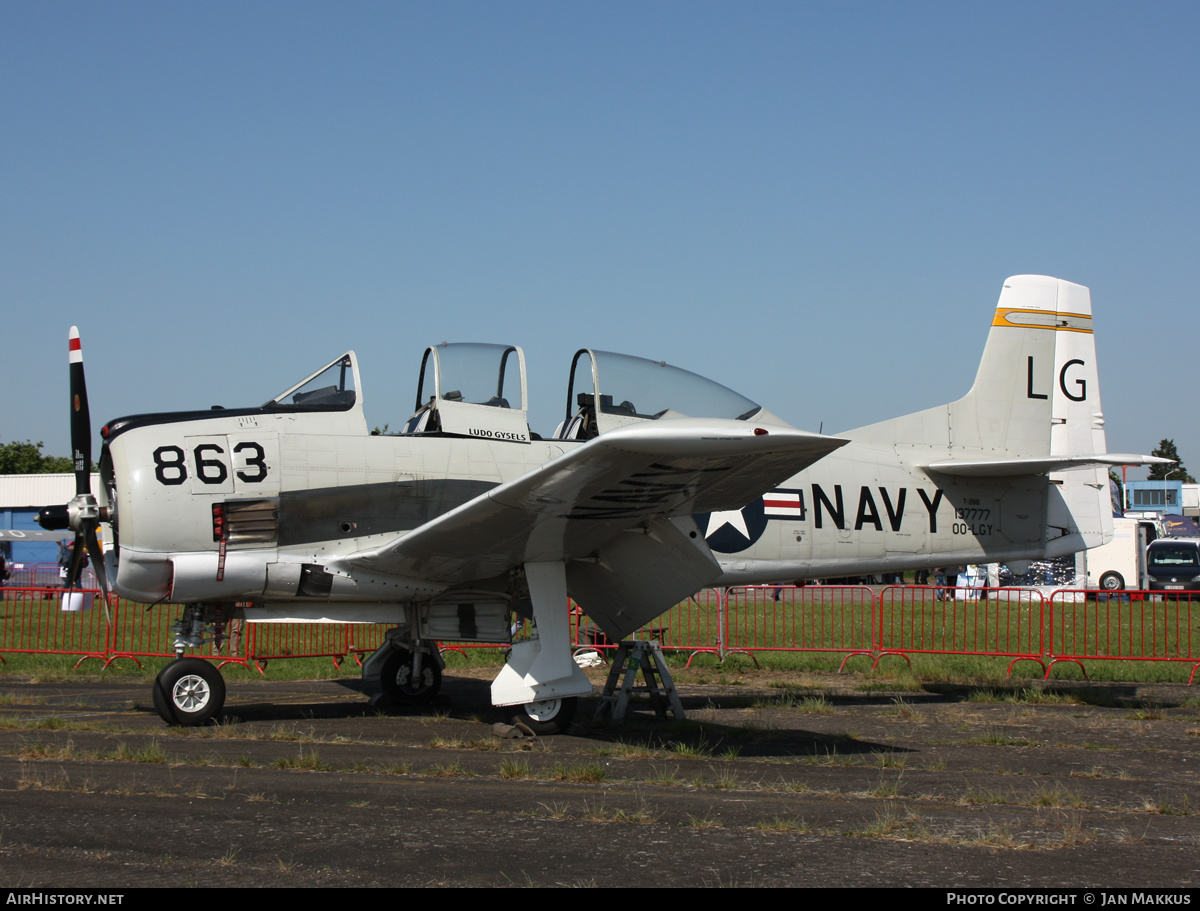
[
  {"x": 550, "y": 716},
  {"x": 1112, "y": 582},
  {"x": 397, "y": 681},
  {"x": 189, "y": 691}
]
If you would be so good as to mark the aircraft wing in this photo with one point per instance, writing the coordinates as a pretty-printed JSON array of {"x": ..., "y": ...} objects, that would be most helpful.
[
  {"x": 30, "y": 534},
  {"x": 572, "y": 506},
  {"x": 1004, "y": 468}
]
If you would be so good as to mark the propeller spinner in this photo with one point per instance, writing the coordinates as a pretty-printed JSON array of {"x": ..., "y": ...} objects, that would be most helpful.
[{"x": 83, "y": 513}]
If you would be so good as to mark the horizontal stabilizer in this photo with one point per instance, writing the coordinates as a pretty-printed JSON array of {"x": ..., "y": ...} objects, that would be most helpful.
[{"x": 1011, "y": 468}]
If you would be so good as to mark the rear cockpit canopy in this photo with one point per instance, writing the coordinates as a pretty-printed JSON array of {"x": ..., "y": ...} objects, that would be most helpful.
[
  {"x": 630, "y": 389},
  {"x": 472, "y": 390}
]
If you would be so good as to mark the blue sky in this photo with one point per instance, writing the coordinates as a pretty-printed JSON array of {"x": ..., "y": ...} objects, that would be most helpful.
[{"x": 813, "y": 203}]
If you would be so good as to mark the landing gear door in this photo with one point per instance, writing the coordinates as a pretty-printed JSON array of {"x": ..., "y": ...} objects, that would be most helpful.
[{"x": 473, "y": 391}]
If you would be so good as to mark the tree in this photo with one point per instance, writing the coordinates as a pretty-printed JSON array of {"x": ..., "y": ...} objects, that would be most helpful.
[
  {"x": 1118, "y": 496},
  {"x": 1166, "y": 450},
  {"x": 27, "y": 458}
]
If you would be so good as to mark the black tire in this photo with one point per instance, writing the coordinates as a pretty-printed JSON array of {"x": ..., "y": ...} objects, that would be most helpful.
[
  {"x": 551, "y": 716},
  {"x": 396, "y": 679},
  {"x": 1112, "y": 582},
  {"x": 189, "y": 691}
]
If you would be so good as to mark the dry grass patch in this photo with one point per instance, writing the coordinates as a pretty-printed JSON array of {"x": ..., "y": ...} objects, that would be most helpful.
[
  {"x": 35, "y": 779},
  {"x": 623, "y": 750},
  {"x": 447, "y": 770},
  {"x": 642, "y": 815},
  {"x": 307, "y": 761},
  {"x": 586, "y": 773},
  {"x": 1058, "y": 797},
  {"x": 512, "y": 769},
  {"x": 781, "y": 824}
]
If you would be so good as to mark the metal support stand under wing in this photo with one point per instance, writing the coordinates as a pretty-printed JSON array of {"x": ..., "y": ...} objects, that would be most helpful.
[{"x": 646, "y": 657}]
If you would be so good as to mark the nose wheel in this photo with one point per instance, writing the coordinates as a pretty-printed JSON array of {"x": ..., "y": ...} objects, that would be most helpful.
[{"x": 188, "y": 692}]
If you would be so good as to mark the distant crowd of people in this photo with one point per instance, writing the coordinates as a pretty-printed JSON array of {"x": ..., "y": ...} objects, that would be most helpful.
[{"x": 945, "y": 578}]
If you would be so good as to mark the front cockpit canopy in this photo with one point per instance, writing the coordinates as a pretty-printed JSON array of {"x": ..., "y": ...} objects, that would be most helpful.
[
  {"x": 607, "y": 390},
  {"x": 473, "y": 390},
  {"x": 332, "y": 388}
]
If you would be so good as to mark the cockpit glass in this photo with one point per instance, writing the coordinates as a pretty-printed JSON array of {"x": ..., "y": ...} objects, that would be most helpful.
[
  {"x": 332, "y": 389},
  {"x": 478, "y": 374},
  {"x": 638, "y": 387}
]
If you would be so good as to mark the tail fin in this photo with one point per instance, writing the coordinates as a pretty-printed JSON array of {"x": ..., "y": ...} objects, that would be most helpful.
[
  {"x": 1034, "y": 409},
  {"x": 1038, "y": 372}
]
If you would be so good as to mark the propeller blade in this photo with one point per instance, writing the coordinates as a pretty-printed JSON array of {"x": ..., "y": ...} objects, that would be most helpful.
[
  {"x": 76, "y": 568},
  {"x": 97, "y": 554},
  {"x": 81, "y": 420}
]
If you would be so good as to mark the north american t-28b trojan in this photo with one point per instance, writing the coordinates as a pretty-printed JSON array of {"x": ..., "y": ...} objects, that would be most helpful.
[{"x": 657, "y": 483}]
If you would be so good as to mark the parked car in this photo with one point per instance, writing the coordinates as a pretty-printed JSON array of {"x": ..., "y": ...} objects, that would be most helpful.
[{"x": 1173, "y": 564}]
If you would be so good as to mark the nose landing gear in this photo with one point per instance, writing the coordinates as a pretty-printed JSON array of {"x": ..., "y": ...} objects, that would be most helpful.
[{"x": 188, "y": 692}]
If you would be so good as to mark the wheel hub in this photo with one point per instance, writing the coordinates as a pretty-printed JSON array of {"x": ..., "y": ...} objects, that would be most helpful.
[
  {"x": 406, "y": 679},
  {"x": 544, "y": 710},
  {"x": 190, "y": 693}
]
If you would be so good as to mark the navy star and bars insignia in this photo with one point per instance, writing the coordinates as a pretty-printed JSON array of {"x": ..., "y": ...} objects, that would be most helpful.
[{"x": 735, "y": 530}]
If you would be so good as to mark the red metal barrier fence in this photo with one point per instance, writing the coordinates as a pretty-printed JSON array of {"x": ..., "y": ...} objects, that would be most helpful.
[
  {"x": 841, "y": 620},
  {"x": 139, "y": 631},
  {"x": 45, "y": 575},
  {"x": 1142, "y": 626},
  {"x": 925, "y": 620},
  {"x": 33, "y": 620},
  {"x": 809, "y": 618}
]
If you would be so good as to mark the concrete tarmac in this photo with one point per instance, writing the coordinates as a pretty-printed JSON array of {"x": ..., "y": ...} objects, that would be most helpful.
[{"x": 323, "y": 783}]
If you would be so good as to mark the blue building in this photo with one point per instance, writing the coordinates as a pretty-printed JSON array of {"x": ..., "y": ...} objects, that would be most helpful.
[
  {"x": 1161, "y": 497},
  {"x": 21, "y": 496}
]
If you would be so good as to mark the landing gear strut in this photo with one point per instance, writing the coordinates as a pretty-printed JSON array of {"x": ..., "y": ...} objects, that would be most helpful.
[{"x": 540, "y": 681}]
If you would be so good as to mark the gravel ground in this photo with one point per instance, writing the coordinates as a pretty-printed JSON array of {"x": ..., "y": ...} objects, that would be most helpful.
[{"x": 774, "y": 782}]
